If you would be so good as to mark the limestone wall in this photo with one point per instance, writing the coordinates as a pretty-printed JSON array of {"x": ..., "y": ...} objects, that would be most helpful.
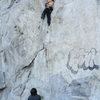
[{"x": 62, "y": 61}]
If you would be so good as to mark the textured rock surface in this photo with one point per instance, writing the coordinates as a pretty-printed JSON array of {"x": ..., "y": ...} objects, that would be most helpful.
[
  {"x": 62, "y": 64},
  {"x": 2, "y": 81}
]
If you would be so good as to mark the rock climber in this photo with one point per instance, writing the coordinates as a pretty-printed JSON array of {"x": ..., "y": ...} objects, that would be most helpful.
[
  {"x": 47, "y": 11},
  {"x": 34, "y": 95}
]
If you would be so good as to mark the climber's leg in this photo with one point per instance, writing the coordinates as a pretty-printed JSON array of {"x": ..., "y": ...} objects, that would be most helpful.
[
  {"x": 49, "y": 11},
  {"x": 49, "y": 18},
  {"x": 44, "y": 13}
]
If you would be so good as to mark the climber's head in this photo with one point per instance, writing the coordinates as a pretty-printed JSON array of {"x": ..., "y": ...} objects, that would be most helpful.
[{"x": 33, "y": 91}]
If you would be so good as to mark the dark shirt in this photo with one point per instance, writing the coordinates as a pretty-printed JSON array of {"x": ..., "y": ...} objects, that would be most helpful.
[{"x": 36, "y": 97}]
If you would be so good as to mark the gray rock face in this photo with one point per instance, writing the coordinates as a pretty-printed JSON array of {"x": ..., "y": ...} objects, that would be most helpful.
[
  {"x": 61, "y": 61},
  {"x": 82, "y": 89},
  {"x": 2, "y": 81}
]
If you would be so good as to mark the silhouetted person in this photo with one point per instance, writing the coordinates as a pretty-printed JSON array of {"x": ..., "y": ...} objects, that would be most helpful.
[
  {"x": 34, "y": 95},
  {"x": 47, "y": 11}
]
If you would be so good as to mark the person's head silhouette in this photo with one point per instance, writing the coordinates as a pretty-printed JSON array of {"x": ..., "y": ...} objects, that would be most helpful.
[
  {"x": 34, "y": 95},
  {"x": 33, "y": 91}
]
